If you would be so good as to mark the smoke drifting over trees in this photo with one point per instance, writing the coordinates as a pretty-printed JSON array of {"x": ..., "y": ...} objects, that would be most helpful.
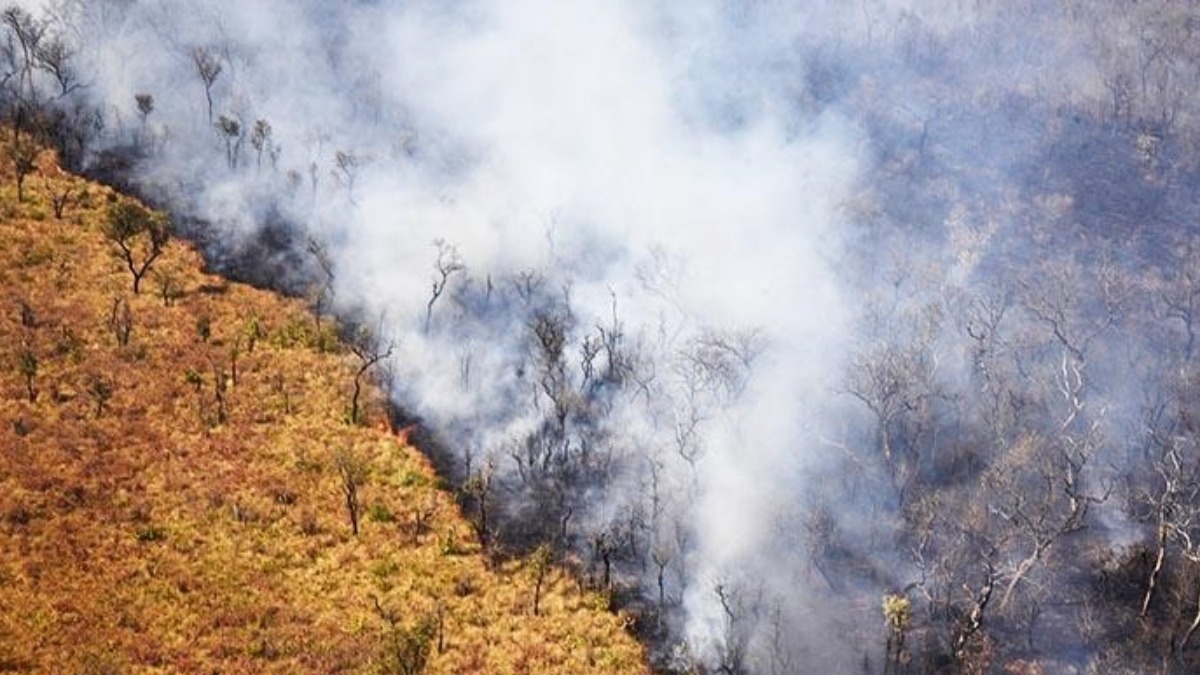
[{"x": 829, "y": 337}]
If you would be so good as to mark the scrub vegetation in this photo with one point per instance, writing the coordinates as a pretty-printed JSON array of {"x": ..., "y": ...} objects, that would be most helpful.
[{"x": 175, "y": 475}]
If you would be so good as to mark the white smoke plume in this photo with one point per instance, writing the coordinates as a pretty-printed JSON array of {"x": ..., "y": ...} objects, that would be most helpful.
[{"x": 645, "y": 156}]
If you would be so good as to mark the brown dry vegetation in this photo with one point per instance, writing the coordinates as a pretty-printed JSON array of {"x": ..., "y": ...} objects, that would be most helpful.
[{"x": 145, "y": 525}]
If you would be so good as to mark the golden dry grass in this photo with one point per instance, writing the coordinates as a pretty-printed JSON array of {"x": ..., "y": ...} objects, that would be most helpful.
[{"x": 143, "y": 533}]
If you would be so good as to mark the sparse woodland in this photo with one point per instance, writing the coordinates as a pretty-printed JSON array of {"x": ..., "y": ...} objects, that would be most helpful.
[
  {"x": 200, "y": 475},
  {"x": 175, "y": 475}
]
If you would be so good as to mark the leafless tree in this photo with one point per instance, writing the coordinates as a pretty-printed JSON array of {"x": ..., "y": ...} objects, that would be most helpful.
[
  {"x": 733, "y": 641},
  {"x": 345, "y": 168},
  {"x": 539, "y": 562},
  {"x": 27, "y": 363},
  {"x": 782, "y": 656},
  {"x": 54, "y": 56},
  {"x": 527, "y": 284},
  {"x": 972, "y": 624},
  {"x": 22, "y": 151},
  {"x": 661, "y": 556},
  {"x": 230, "y": 129},
  {"x": 720, "y": 361},
  {"x": 447, "y": 264},
  {"x": 120, "y": 321},
  {"x": 145, "y": 106},
  {"x": 1180, "y": 294},
  {"x": 321, "y": 291},
  {"x": 352, "y": 471},
  {"x": 1038, "y": 489},
  {"x": 208, "y": 69},
  {"x": 260, "y": 140},
  {"x": 221, "y": 384},
  {"x": 61, "y": 197},
  {"x": 370, "y": 349},
  {"x": 952, "y": 541},
  {"x": 711, "y": 371},
  {"x": 1167, "y": 497},
  {"x": 893, "y": 381},
  {"x": 79, "y": 125},
  {"x": 984, "y": 319},
  {"x": 100, "y": 388},
  {"x": 28, "y": 32},
  {"x": 478, "y": 492},
  {"x": 1077, "y": 309},
  {"x": 606, "y": 544}
]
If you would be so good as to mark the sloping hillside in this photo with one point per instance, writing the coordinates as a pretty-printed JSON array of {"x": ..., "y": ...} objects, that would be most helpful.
[{"x": 173, "y": 474}]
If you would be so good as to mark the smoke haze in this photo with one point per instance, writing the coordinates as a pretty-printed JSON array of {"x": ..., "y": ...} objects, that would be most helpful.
[
  {"x": 780, "y": 226},
  {"x": 643, "y": 156}
]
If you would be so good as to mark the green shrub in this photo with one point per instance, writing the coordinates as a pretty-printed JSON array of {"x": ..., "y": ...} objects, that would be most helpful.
[
  {"x": 380, "y": 513},
  {"x": 385, "y": 568},
  {"x": 151, "y": 533},
  {"x": 414, "y": 479},
  {"x": 406, "y": 649}
]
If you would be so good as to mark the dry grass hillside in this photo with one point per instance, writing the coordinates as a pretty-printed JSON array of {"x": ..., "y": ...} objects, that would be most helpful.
[{"x": 172, "y": 466}]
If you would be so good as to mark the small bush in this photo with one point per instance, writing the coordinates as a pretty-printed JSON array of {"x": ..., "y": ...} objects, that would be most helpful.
[
  {"x": 151, "y": 533},
  {"x": 22, "y": 427},
  {"x": 75, "y": 496},
  {"x": 414, "y": 479},
  {"x": 464, "y": 586},
  {"x": 406, "y": 649},
  {"x": 385, "y": 568},
  {"x": 380, "y": 513},
  {"x": 284, "y": 496},
  {"x": 38, "y": 255},
  {"x": 288, "y": 335},
  {"x": 194, "y": 379},
  {"x": 451, "y": 546},
  {"x": 306, "y": 464},
  {"x": 204, "y": 328},
  {"x": 69, "y": 345},
  {"x": 309, "y": 525},
  {"x": 18, "y": 515}
]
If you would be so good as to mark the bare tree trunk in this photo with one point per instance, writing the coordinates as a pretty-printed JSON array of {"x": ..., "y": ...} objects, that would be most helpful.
[
  {"x": 1192, "y": 628},
  {"x": 1157, "y": 569},
  {"x": 975, "y": 620},
  {"x": 1022, "y": 569}
]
